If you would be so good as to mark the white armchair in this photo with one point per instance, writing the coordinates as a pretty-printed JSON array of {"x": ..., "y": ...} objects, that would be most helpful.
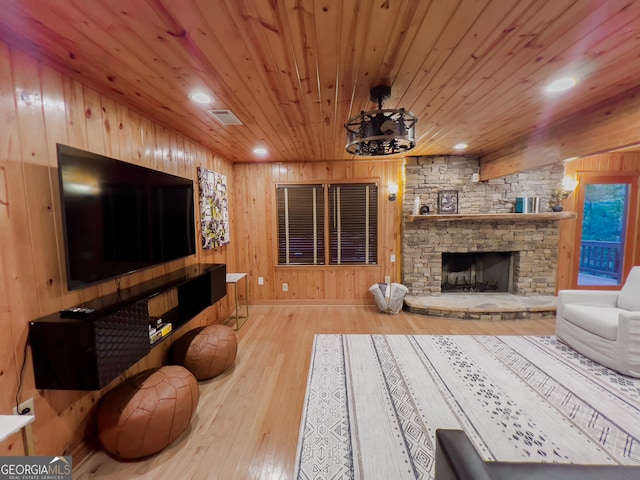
[{"x": 603, "y": 325}]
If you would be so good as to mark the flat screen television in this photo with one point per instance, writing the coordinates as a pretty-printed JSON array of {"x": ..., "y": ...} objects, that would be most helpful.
[{"x": 119, "y": 217}]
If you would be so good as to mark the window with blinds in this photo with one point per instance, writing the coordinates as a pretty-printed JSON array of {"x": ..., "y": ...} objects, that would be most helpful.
[
  {"x": 301, "y": 225},
  {"x": 351, "y": 236},
  {"x": 353, "y": 223}
]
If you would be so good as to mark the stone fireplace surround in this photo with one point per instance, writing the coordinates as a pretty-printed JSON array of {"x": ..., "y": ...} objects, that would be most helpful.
[
  {"x": 534, "y": 246},
  {"x": 533, "y": 241}
]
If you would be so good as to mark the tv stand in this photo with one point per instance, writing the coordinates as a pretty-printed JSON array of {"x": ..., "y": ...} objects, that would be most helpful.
[{"x": 88, "y": 353}]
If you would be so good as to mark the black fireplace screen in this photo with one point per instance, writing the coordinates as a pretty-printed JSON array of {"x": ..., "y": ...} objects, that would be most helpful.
[{"x": 476, "y": 272}]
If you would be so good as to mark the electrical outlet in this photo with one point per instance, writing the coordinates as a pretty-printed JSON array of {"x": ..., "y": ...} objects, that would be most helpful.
[
  {"x": 260, "y": 280},
  {"x": 26, "y": 405},
  {"x": 285, "y": 287},
  {"x": 393, "y": 258},
  {"x": 387, "y": 279}
]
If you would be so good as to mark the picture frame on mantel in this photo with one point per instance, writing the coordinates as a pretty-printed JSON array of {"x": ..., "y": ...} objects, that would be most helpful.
[{"x": 447, "y": 202}]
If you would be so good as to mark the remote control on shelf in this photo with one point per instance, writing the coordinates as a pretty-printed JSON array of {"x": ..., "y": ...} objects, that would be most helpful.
[{"x": 76, "y": 312}]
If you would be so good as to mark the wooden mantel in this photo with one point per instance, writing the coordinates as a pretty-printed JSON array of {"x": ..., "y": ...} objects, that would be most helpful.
[{"x": 493, "y": 217}]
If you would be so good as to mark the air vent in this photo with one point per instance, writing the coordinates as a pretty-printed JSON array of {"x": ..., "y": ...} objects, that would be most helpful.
[{"x": 225, "y": 117}]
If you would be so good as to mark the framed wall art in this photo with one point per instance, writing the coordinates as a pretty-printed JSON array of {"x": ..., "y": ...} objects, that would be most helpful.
[
  {"x": 447, "y": 201},
  {"x": 214, "y": 208}
]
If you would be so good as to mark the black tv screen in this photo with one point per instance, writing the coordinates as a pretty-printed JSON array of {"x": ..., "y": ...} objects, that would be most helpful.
[{"x": 119, "y": 217}]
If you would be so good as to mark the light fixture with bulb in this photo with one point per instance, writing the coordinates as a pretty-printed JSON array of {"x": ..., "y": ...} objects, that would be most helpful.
[
  {"x": 261, "y": 151},
  {"x": 200, "y": 97},
  {"x": 561, "y": 84},
  {"x": 381, "y": 132},
  {"x": 393, "y": 191},
  {"x": 569, "y": 184}
]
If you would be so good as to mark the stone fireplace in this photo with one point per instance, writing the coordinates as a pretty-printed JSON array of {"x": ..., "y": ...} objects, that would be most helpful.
[
  {"x": 532, "y": 247},
  {"x": 485, "y": 224}
]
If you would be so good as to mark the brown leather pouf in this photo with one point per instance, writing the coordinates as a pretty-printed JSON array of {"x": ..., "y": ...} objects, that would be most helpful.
[
  {"x": 147, "y": 412},
  {"x": 206, "y": 351}
]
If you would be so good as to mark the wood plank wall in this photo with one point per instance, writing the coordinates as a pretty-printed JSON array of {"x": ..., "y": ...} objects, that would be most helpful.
[
  {"x": 256, "y": 220},
  {"x": 40, "y": 107},
  {"x": 611, "y": 164}
]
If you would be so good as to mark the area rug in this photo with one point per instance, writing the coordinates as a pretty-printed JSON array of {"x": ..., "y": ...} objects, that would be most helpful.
[{"x": 374, "y": 402}]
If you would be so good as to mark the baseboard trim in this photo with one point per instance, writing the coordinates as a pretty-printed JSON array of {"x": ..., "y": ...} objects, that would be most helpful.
[{"x": 313, "y": 302}]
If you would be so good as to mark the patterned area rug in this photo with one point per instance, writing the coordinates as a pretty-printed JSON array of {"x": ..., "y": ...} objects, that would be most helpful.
[{"x": 374, "y": 402}]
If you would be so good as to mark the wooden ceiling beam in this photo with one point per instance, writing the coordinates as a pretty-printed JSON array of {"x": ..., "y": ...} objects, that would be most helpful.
[{"x": 609, "y": 125}]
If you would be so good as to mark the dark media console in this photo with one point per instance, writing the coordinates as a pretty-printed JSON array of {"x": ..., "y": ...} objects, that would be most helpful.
[{"x": 88, "y": 353}]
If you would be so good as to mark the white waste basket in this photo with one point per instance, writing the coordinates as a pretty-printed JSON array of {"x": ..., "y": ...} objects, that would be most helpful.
[{"x": 389, "y": 297}]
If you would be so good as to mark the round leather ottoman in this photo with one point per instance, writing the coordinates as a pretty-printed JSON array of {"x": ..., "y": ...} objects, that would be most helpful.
[
  {"x": 147, "y": 412},
  {"x": 206, "y": 351}
]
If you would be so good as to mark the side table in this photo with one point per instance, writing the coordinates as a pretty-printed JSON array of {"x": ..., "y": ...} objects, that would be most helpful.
[
  {"x": 235, "y": 278},
  {"x": 10, "y": 424}
]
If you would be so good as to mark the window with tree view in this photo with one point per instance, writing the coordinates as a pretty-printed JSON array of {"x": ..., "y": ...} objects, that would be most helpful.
[
  {"x": 604, "y": 223},
  {"x": 348, "y": 237}
]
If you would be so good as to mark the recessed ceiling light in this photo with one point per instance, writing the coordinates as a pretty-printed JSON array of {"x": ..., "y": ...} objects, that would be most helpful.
[
  {"x": 561, "y": 84},
  {"x": 461, "y": 146},
  {"x": 200, "y": 97},
  {"x": 260, "y": 151}
]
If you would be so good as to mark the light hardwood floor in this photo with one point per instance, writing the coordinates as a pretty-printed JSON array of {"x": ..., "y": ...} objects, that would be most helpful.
[{"x": 246, "y": 425}]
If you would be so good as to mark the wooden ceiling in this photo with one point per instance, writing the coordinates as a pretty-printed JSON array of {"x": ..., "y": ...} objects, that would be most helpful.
[{"x": 293, "y": 71}]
